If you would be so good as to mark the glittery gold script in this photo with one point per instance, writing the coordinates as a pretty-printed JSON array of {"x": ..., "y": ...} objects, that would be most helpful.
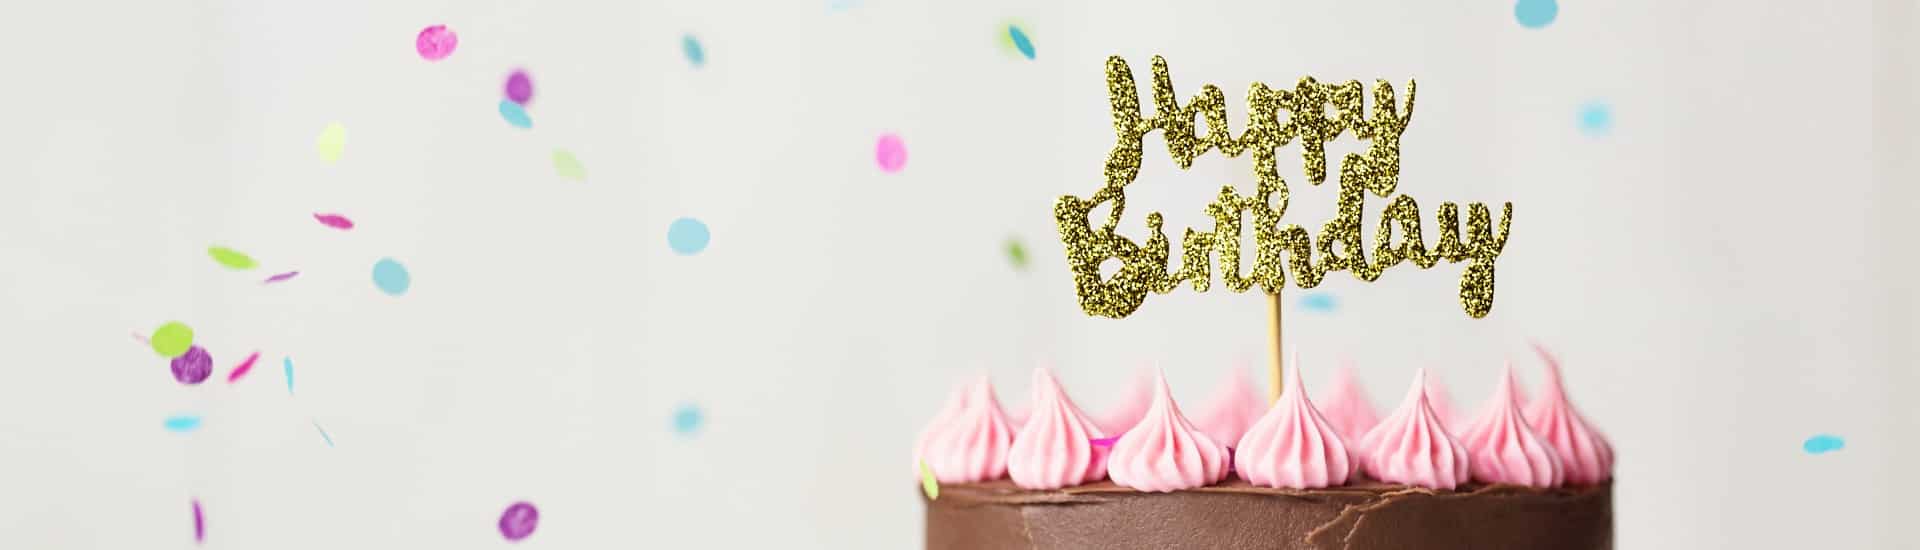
[{"x": 1306, "y": 118}]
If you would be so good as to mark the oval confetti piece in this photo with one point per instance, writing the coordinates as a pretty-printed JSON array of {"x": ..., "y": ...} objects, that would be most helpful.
[
  {"x": 286, "y": 367},
  {"x": 192, "y": 367},
  {"x": 171, "y": 339},
  {"x": 688, "y": 236},
  {"x": 519, "y": 520},
  {"x": 696, "y": 54},
  {"x": 1823, "y": 443},
  {"x": 687, "y": 420},
  {"x": 1596, "y": 118},
  {"x": 391, "y": 277},
  {"x": 567, "y": 166},
  {"x": 323, "y": 433},
  {"x": 1319, "y": 301},
  {"x": 199, "y": 523},
  {"x": 231, "y": 258},
  {"x": 1535, "y": 14},
  {"x": 890, "y": 152},
  {"x": 281, "y": 277},
  {"x": 182, "y": 423},
  {"x": 519, "y": 87},
  {"x": 1017, "y": 253},
  {"x": 332, "y": 141},
  {"x": 244, "y": 367},
  {"x": 928, "y": 485},
  {"x": 514, "y": 114},
  {"x": 335, "y": 221},
  {"x": 436, "y": 42},
  {"x": 1020, "y": 40}
]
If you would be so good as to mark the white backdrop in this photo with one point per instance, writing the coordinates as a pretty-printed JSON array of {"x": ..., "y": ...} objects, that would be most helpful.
[{"x": 1725, "y": 272}]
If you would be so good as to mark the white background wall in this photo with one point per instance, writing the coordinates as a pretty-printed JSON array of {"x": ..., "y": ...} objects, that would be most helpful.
[{"x": 1726, "y": 272}]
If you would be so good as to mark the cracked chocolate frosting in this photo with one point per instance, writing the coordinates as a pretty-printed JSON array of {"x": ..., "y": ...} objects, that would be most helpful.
[{"x": 1234, "y": 515}]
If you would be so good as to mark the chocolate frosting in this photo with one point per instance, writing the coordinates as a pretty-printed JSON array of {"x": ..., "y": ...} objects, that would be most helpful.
[{"x": 1235, "y": 515}]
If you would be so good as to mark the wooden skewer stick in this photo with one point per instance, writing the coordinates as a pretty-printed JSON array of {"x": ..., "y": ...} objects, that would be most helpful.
[{"x": 1274, "y": 306}]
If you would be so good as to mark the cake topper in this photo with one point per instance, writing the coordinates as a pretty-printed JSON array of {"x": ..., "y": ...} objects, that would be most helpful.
[{"x": 1315, "y": 114}]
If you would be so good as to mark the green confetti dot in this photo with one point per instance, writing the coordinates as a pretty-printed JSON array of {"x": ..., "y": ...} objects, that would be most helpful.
[
  {"x": 332, "y": 140},
  {"x": 1017, "y": 253},
  {"x": 568, "y": 166},
  {"x": 172, "y": 339},
  {"x": 927, "y": 483},
  {"x": 231, "y": 258}
]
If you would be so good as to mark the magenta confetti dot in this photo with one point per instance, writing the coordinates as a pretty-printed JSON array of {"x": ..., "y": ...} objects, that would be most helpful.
[
  {"x": 281, "y": 277},
  {"x": 436, "y": 42},
  {"x": 891, "y": 153},
  {"x": 193, "y": 367},
  {"x": 519, "y": 520},
  {"x": 199, "y": 523},
  {"x": 335, "y": 221},
  {"x": 519, "y": 88}
]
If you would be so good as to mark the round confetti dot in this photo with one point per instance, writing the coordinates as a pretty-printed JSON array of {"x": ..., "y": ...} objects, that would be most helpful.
[
  {"x": 1596, "y": 118},
  {"x": 519, "y": 88},
  {"x": 891, "y": 153},
  {"x": 688, "y": 236},
  {"x": 193, "y": 367},
  {"x": 391, "y": 277},
  {"x": 687, "y": 420},
  {"x": 696, "y": 55},
  {"x": 171, "y": 339},
  {"x": 436, "y": 42},
  {"x": 514, "y": 114},
  {"x": 1535, "y": 14},
  {"x": 1020, "y": 40},
  {"x": 332, "y": 141},
  {"x": 1823, "y": 443},
  {"x": 519, "y": 520},
  {"x": 1016, "y": 253}
]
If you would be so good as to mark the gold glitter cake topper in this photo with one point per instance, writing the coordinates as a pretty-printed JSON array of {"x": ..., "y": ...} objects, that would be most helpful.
[{"x": 1145, "y": 268}]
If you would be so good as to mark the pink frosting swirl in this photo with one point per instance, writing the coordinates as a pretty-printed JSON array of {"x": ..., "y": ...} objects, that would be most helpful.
[
  {"x": 1412, "y": 447},
  {"x": 1133, "y": 405},
  {"x": 1292, "y": 445},
  {"x": 1164, "y": 452},
  {"x": 1347, "y": 407},
  {"x": 1584, "y": 453},
  {"x": 971, "y": 444},
  {"x": 942, "y": 421},
  {"x": 1442, "y": 401},
  {"x": 1055, "y": 448},
  {"x": 1233, "y": 409},
  {"x": 1504, "y": 449}
]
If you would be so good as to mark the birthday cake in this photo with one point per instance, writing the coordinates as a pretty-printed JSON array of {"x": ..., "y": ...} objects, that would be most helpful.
[{"x": 1299, "y": 475}]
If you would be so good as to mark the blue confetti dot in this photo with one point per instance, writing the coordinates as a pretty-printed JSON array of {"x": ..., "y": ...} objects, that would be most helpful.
[
  {"x": 688, "y": 236},
  {"x": 1020, "y": 40},
  {"x": 695, "y": 54},
  {"x": 182, "y": 423},
  {"x": 391, "y": 277},
  {"x": 686, "y": 420},
  {"x": 1596, "y": 118},
  {"x": 515, "y": 114},
  {"x": 1535, "y": 14},
  {"x": 1823, "y": 443},
  {"x": 1319, "y": 301}
]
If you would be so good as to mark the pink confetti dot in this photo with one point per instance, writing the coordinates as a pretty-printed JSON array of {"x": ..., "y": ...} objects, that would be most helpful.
[
  {"x": 436, "y": 42},
  {"x": 891, "y": 153}
]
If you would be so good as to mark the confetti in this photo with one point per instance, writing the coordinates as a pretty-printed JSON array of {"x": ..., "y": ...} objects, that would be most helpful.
[
  {"x": 436, "y": 42},
  {"x": 199, "y": 523},
  {"x": 182, "y": 423},
  {"x": 928, "y": 485},
  {"x": 568, "y": 166},
  {"x": 514, "y": 114},
  {"x": 695, "y": 54},
  {"x": 687, "y": 420},
  {"x": 323, "y": 434},
  {"x": 891, "y": 153},
  {"x": 333, "y": 140},
  {"x": 391, "y": 277},
  {"x": 1596, "y": 118},
  {"x": 836, "y": 6},
  {"x": 519, "y": 520},
  {"x": 688, "y": 236},
  {"x": 244, "y": 367},
  {"x": 335, "y": 221},
  {"x": 1319, "y": 301},
  {"x": 519, "y": 87},
  {"x": 286, "y": 367},
  {"x": 1535, "y": 14},
  {"x": 1007, "y": 42},
  {"x": 1017, "y": 253},
  {"x": 1823, "y": 443},
  {"x": 280, "y": 277},
  {"x": 171, "y": 339},
  {"x": 231, "y": 258},
  {"x": 193, "y": 367},
  {"x": 1020, "y": 40}
]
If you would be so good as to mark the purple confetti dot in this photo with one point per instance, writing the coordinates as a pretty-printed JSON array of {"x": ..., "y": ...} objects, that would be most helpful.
[
  {"x": 193, "y": 367},
  {"x": 519, "y": 520},
  {"x": 519, "y": 88},
  {"x": 436, "y": 42}
]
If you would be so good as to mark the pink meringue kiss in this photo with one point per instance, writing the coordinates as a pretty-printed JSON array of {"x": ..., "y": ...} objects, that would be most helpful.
[
  {"x": 1347, "y": 406},
  {"x": 1164, "y": 452},
  {"x": 1412, "y": 447},
  {"x": 1233, "y": 409},
  {"x": 1133, "y": 405},
  {"x": 1442, "y": 401},
  {"x": 1055, "y": 448},
  {"x": 941, "y": 422},
  {"x": 1503, "y": 449},
  {"x": 1293, "y": 446},
  {"x": 1584, "y": 453},
  {"x": 972, "y": 446}
]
